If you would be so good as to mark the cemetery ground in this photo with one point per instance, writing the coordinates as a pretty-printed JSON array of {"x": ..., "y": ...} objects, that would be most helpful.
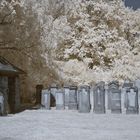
[{"x": 69, "y": 125}]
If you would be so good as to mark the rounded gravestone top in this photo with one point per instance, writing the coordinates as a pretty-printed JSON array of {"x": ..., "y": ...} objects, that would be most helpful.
[
  {"x": 137, "y": 83},
  {"x": 134, "y": 88},
  {"x": 113, "y": 84},
  {"x": 66, "y": 86},
  {"x": 127, "y": 84},
  {"x": 73, "y": 87},
  {"x": 60, "y": 91},
  {"x": 102, "y": 83},
  {"x": 84, "y": 87},
  {"x": 53, "y": 86}
]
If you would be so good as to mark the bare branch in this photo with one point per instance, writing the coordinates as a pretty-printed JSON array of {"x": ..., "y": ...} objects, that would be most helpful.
[
  {"x": 4, "y": 18},
  {"x": 3, "y": 43}
]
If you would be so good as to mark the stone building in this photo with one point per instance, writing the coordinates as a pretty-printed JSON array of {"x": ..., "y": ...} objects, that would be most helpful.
[{"x": 10, "y": 85}]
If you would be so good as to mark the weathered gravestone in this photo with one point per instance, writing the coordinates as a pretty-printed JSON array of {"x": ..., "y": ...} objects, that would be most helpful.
[
  {"x": 114, "y": 97},
  {"x": 60, "y": 100},
  {"x": 45, "y": 99},
  {"x": 66, "y": 92},
  {"x": 99, "y": 98},
  {"x": 53, "y": 90},
  {"x": 1, "y": 104},
  {"x": 126, "y": 85},
  {"x": 84, "y": 99},
  {"x": 137, "y": 84},
  {"x": 4, "y": 91},
  {"x": 73, "y": 98},
  {"x": 132, "y": 106},
  {"x": 92, "y": 97}
]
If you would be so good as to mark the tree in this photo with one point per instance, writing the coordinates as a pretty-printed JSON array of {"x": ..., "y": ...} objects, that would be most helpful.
[{"x": 104, "y": 38}]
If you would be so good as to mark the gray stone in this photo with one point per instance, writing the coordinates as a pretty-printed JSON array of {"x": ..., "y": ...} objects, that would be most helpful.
[
  {"x": 1, "y": 104},
  {"x": 60, "y": 100},
  {"x": 91, "y": 97},
  {"x": 111, "y": 86},
  {"x": 132, "y": 101},
  {"x": 84, "y": 99},
  {"x": 4, "y": 91},
  {"x": 116, "y": 101},
  {"x": 126, "y": 85},
  {"x": 114, "y": 97},
  {"x": 53, "y": 90},
  {"x": 99, "y": 98},
  {"x": 137, "y": 84},
  {"x": 66, "y": 91},
  {"x": 73, "y": 98},
  {"x": 45, "y": 99}
]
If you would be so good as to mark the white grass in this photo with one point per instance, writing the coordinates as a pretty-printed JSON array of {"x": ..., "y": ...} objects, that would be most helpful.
[{"x": 69, "y": 125}]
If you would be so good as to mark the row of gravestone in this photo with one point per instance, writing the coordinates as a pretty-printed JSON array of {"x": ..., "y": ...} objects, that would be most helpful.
[{"x": 113, "y": 99}]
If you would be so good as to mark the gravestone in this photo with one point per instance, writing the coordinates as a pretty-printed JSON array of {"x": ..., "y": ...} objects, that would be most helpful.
[
  {"x": 92, "y": 97},
  {"x": 4, "y": 91},
  {"x": 137, "y": 84},
  {"x": 45, "y": 99},
  {"x": 66, "y": 91},
  {"x": 126, "y": 85},
  {"x": 132, "y": 106},
  {"x": 1, "y": 104},
  {"x": 114, "y": 101},
  {"x": 73, "y": 98},
  {"x": 99, "y": 98},
  {"x": 60, "y": 100},
  {"x": 84, "y": 99},
  {"x": 111, "y": 86},
  {"x": 53, "y": 90}
]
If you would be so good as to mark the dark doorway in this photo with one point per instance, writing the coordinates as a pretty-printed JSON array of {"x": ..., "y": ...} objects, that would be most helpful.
[
  {"x": 38, "y": 94},
  {"x": 53, "y": 101},
  {"x": 11, "y": 94}
]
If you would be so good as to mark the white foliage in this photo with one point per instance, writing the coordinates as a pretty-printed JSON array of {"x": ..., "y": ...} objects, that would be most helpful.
[{"x": 101, "y": 29}]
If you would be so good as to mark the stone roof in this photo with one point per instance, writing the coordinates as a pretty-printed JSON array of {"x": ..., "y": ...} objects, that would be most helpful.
[{"x": 7, "y": 68}]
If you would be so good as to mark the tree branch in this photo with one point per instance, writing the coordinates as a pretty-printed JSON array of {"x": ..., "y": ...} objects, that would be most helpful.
[
  {"x": 3, "y": 22},
  {"x": 3, "y": 43}
]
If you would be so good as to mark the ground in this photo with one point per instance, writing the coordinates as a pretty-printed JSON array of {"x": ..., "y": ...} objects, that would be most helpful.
[{"x": 69, "y": 125}]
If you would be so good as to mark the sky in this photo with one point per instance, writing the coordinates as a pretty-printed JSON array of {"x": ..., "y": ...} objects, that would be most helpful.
[{"x": 133, "y": 3}]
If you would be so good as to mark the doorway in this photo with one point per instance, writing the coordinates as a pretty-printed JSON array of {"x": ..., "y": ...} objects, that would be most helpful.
[{"x": 11, "y": 94}]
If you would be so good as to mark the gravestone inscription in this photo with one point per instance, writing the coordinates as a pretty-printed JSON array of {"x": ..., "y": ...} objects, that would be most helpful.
[
  {"x": 132, "y": 106},
  {"x": 45, "y": 99},
  {"x": 66, "y": 91},
  {"x": 84, "y": 99},
  {"x": 53, "y": 90},
  {"x": 73, "y": 98},
  {"x": 126, "y": 85},
  {"x": 99, "y": 98},
  {"x": 137, "y": 84},
  {"x": 112, "y": 85},
  {"x": 60, "y": 100},
  {"x": 114, "y": 97}
]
